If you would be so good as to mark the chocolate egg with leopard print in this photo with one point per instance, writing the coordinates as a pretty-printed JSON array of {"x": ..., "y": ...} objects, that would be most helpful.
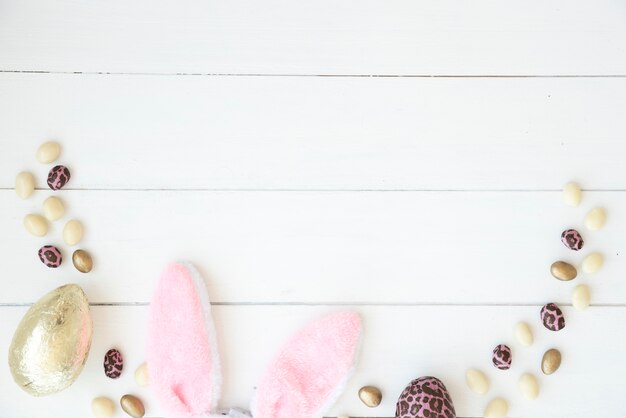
[{"x": 425, "y": 397}]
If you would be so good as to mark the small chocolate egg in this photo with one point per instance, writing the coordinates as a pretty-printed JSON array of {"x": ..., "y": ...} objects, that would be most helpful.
[
  {"x": 58, "y": 177},
  {"x": 563, "y": 271},
  {"x": 552, "y": 317},
  {"x": 572, "y": 239},
  {"x": 133, "y": 406},
  {"x": 425, "y": 397},
  {"x": 551, "y": 361},
  {"x": 82, "y": 261},
  {"x": 113, "y": 363},
  {"x": 502, "y": 357},
  {"x": 371, "y": 396},
  {"x": 52, "y": 342},
  {"x": 50, "y": 256}
]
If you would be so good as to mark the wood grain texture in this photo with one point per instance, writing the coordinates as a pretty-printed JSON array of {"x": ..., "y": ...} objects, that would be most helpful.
[
  {"x": 400, "y": 343},
  {"x": 321, "y": 247},
  {"x": 156, "y": 132},
  {"x": 485, "y": 37}
]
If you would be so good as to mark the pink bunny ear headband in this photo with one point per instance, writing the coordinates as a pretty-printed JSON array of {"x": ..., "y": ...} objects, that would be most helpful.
[{"x": 303, "y": 380}]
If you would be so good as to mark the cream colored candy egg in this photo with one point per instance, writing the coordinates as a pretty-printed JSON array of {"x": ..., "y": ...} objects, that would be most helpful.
[
  {"x": 141, "y": 375},
  {"x": 53, "y": 208},
  {"x": 593, "y": 262},
  {"x": 48, "y": 152},
  {"x": 595, "y": 219},
  {"x": 497, "y": 408},
  {"x": 524, "y": 334},
  {"x": 477, "y": 381},
  {"x": 572, "y": 194},
  {"x": 24, "y": 184},
  {"x": 36, "y": 224},
  {"x": 529, "y": 386},
  {"x": 73, "y": 232},
  {"x": 102, "y": 407},
  {"x": 581, "y": 297}
]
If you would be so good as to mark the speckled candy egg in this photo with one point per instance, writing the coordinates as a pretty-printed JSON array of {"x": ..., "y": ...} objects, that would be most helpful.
[
  {"x": 425, "y": 397},
  {"x": 552, "y": 317},
  {"x": 502, "y": 357},
  {"x": 572, "y": 239},
  {"x": 50, "y": 256},
  {"x": 113, "y": 363},
  {"x": 58, "y": 177}
]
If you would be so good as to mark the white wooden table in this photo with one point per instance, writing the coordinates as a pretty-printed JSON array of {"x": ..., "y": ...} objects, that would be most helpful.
[{"x": 401, "y": 157}]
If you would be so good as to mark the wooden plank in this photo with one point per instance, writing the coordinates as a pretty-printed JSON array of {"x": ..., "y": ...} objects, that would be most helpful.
[
  {"x": 155, "y": 132},
  {"x": 323, "y": 37},
  {"x": 321, "y": 247},
  {"x": 400, "y": 343}
]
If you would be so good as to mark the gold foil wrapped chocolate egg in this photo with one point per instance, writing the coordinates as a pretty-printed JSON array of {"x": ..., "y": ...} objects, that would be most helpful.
[{"x": 52, "y": 342}]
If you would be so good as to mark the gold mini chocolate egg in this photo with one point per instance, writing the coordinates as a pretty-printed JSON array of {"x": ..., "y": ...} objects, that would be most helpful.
[{"x": 52, "y": 342}]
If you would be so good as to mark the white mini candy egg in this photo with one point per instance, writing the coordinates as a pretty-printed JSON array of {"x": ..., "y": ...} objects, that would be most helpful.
[
  {"x": 593, "y": 263},
  {"x": 581, "y": 297},
  {"x": 595, "y": 219},
  {"x": 24, "y": 184},
  {"x": 529, "y": 386},
  {"x": 524, "y": 334},
  {"x": 48, "y": 152},
  {"x": 572, "y": 194}
]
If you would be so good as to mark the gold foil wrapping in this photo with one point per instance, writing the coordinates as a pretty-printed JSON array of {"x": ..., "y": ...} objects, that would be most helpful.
[{"x": 52, "y": 342}]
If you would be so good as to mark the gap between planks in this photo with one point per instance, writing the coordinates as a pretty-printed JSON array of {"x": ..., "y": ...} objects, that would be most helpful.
[{"x": 194, "y": 74}]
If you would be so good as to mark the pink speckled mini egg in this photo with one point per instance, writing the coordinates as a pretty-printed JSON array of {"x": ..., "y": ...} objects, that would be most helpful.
[
  {"x": 502, "y": 357},
  {"x": 58, "y": 177},
  {"x": 552, "y": 317},
  {"x": 425, "y": 397},
  {"x": 50, "y": 256},
  {"x": 572, "y": 239}
]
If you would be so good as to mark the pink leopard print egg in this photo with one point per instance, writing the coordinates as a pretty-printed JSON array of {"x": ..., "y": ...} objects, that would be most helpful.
[
  {"x": 58, "y": 177},
  {"x": 50, "y": 256},
  {"x": 552, "y": 317},
  {"x": 113, "y": 363},
  {"x": 425, "y": 397},
  {"x": 502, "y": 357},
  {"x": 572, "y": 239}
]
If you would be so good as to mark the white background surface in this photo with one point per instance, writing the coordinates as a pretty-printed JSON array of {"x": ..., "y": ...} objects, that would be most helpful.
[{"x": 401, "y": 157}]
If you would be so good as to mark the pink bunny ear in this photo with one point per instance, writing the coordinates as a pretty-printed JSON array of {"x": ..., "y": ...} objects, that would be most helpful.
[
  {"x": 183, "y": 361},
  {"x": 310, "y": 371}
]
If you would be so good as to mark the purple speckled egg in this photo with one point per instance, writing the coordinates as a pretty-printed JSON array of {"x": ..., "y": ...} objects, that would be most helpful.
[
  {"x": 425, "y": 397},
  {"x": 113, "y": 363},
  {"x": 572, "y": 239},
  {"x": 50, "y": 256},
  {"x": 502, "y": 357},
  {"x": 58, "y": 177},
  {"x": 552, "y": 317}
]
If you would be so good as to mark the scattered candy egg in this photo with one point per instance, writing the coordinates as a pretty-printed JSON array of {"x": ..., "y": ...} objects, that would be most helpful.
[
  {"x": 113, "y": 363},
  {"x": 82, "y": 261},
  {"x": 551, "y": 361},
  {"x": 73, "y": 232},
  {"x": 497, "y": 408},
  {"x": 572, "y": 194},
  {"x": 48, "y": 152},
  {"x": 524, "y": 334},
  {"x": 581, "y": 297},
  {"x": 552, "y": 317},
  {"x": 24, "y": 184},
  {"x": 529, "y": 386},
  {"x": 36, "y": 225},
  {"x": 502, "y": 357},
  {"x": 141, "y": 375},
  {"x": 593, "y": 263},
  {"x": 477, "y": 381},
  {"x": 595, "y": 219},
  {"x": 370, "y": 396},
  {"x": 51, "y": 256},
  {"x": 103, "y": 407},
  {"x": 58, "y": 177},
  {"x": 52, "y": 342},
  {"x": 563, "y": 271},
  {"x": 53, "y": 208},
  {"x": 425, "y": 397},
  {"x": 133, "y": 406},
  {"x": 572, "y": 239}
]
